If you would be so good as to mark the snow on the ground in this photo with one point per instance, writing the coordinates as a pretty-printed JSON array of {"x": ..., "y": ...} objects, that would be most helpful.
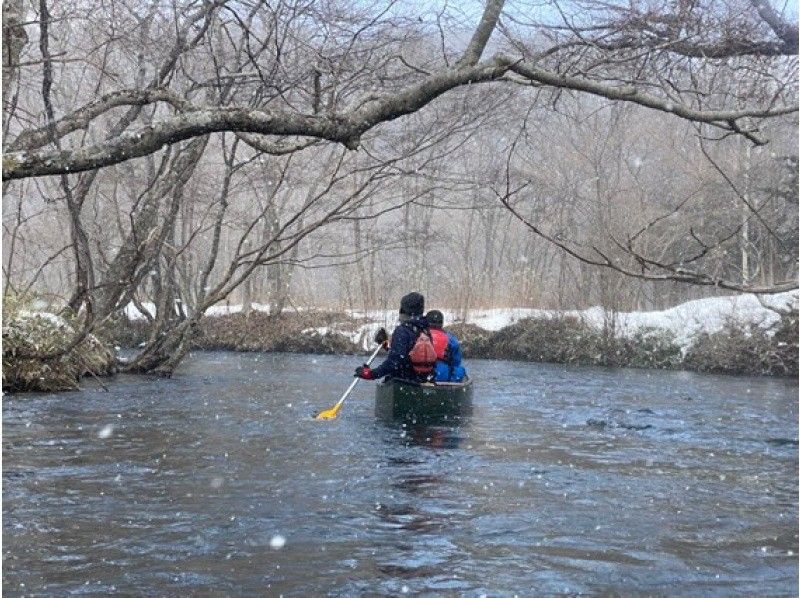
[
  {"x": 361, "y": 336},
  {"x": 134, "y": 313},
  {"x": 222, "y": 310},
  {"x": 709, "y": 315},
  {"x": 54, "y": 319},
  {"x": 684, "y": 320}
]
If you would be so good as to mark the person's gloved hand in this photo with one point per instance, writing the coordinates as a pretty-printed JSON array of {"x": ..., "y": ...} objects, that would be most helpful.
[{"x": 364, "y": 372}]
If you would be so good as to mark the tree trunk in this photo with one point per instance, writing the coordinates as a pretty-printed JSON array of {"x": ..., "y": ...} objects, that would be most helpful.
[
  {"x": 745, "y": 238},
  {"x": 14, "y": 40}
]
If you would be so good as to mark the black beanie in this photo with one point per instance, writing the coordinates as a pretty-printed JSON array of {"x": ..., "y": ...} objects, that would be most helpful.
[
  {"x": 435, "y": 318},
  {"x": 412, "y": 304}
]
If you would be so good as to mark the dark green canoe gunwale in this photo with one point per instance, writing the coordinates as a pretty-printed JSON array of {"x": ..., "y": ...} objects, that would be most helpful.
[{"x": 415, "y": 401}]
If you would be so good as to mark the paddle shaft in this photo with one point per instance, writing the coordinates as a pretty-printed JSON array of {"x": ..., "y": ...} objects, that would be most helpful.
[{"x": 354, "y": 382}]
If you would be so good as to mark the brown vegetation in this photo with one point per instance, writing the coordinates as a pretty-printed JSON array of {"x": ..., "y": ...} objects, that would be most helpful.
[
  {"x": 747, "y": 349},
  {"x": 570, "y": 340},
  {"x": 737, "y": 349},
  {"x": 261, "y": 332}
]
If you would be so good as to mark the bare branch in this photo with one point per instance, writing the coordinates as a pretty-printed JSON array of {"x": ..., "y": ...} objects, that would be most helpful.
[
  {"x": 786, "y": 31},
  {"x": 81, "y": 118},
  {"x": 667, "y": 272},
  {"x": 482, "y": 34},
  {"x": 280, "y": 147},
  {"x": 725, "y": 119},
  {"x": 345, "y": 128}
]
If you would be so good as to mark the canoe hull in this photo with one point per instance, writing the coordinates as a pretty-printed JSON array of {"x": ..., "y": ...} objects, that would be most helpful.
[{"x": 422, "y": 402}]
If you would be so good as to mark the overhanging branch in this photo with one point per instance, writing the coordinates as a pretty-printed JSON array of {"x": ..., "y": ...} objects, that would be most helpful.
[{"x": 659, "y": 272}]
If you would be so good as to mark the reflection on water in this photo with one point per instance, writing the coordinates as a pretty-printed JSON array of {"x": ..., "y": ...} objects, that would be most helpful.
[
  {"x": 564, "y": 480},
  {"x": 420, "y": 509},
  {"x": 435, "y": 437}
]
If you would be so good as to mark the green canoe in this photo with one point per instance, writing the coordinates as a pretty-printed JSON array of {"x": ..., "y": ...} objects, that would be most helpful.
[{"x": 414, "y": 401}]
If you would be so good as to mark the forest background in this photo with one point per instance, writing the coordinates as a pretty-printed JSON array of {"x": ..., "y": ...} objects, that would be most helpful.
[{"x": 335, "y": 155}]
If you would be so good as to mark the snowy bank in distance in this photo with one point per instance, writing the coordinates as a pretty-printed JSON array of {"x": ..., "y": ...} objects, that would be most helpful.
[
  {"x": 224, "y": 310},
  {"x": 684, "y": 320},
  {"x": 710, "y": 314},
  {"x": 134, "y": 313}
]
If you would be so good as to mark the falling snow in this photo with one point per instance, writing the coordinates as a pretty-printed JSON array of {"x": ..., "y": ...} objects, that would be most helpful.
[{"x": 277, "y": 542}]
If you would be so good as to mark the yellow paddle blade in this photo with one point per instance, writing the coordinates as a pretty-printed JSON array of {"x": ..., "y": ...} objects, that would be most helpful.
[{"x": 329, "y": 413}]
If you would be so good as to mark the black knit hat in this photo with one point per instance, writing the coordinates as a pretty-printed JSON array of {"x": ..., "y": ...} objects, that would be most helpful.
[
  {"x": 435, "y": 318},
  {"x": 412, "y": 304}
]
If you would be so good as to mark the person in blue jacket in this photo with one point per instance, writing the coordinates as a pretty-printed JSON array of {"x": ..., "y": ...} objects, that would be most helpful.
[
  {"x": 398, "y": 363},
  {"x": 448, "y": 366}
]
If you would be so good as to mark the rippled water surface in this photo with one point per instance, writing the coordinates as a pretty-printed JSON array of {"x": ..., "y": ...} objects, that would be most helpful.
[{"x": 564, "y": 480}]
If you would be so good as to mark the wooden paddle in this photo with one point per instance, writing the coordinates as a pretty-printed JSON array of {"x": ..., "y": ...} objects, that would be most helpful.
[{"x": 381, "y": 338}]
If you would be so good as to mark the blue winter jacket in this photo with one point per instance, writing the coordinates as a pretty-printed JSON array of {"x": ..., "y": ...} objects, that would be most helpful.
[
  {"x": 398, "y": 364},
  {"x": 453, "y": 371}
]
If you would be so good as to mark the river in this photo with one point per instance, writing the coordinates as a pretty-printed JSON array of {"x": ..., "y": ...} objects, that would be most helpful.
[{"x": 564, "y": 480}]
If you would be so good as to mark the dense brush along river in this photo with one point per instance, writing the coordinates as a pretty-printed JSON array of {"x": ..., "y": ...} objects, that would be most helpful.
[{"x": 563, "y": 480}]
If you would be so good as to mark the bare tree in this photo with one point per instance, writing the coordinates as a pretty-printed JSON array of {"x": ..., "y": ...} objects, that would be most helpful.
[
  {"x": 156, "y": 160},
  {"x": 347, "y": 124}
]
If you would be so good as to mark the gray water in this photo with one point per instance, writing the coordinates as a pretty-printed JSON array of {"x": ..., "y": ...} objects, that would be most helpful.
[{"x": 564, "y": 480}]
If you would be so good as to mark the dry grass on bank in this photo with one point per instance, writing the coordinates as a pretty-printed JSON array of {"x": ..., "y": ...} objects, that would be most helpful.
[
  {"x": 26, "y": 333},
  {"x": 739, "y": 348},
  {"x": 258, "y": 331}
]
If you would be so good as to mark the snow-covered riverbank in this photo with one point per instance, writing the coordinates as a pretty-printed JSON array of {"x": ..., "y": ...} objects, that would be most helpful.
[
  {"x": 684, "y": 321},
  {"x": 736, "y": 334}
]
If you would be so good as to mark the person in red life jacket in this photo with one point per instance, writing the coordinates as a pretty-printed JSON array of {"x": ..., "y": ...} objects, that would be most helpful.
[
  {"x": 411, "y": 352},
  {"x": 448, "y": 366}
]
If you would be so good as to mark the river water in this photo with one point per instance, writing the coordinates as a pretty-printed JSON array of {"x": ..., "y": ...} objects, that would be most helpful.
[{"x": 564, "y": 480}]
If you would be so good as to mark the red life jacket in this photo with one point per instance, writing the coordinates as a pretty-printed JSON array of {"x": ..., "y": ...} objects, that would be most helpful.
[
  {"x": 440, "y": 341},
  {"x": 422, "y": 354}
]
